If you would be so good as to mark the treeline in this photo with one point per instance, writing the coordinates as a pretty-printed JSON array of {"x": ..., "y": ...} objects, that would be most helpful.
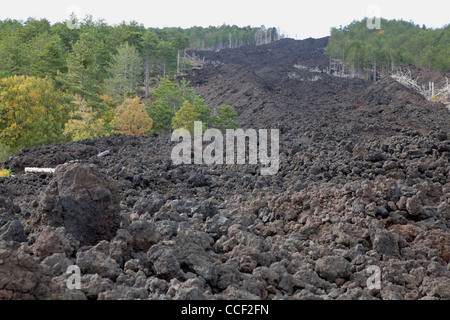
[
  {"x": 37, "y": 48},
  {"x": 216, "y": 38},
  {"x": 361, "y": 51},
  {"x": 66, "y": 82}
]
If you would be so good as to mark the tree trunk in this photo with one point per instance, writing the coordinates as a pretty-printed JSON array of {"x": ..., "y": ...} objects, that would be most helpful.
[
  {"x": 375, "y": 70},
  {"x": 147, "y": 77},
  {"x": 178, "y": 64}
]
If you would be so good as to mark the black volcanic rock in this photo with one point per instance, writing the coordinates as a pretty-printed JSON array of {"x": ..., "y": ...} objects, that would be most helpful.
[{"x": 83, "y": 201}]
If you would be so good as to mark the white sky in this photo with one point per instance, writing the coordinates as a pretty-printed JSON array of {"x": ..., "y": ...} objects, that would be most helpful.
[{"x": 297, "y": 19}]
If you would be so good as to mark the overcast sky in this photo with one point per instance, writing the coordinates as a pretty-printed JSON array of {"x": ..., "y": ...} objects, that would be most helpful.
[{"x": 297, "y": 19}]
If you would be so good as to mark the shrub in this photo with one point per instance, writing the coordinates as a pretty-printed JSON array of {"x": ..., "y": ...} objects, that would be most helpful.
[
  {"x": 5, "y": 151},
  {"x": 5, "y": 173}
]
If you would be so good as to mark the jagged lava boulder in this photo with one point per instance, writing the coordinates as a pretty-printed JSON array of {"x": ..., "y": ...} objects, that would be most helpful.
[{"x": 82, "y": 200}]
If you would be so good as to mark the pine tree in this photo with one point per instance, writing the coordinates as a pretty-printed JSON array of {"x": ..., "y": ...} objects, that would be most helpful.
[
  {"x": 46, "y": 56},
  {"x": 84, "y": 74},
  {"x": 126, "y": 72}
]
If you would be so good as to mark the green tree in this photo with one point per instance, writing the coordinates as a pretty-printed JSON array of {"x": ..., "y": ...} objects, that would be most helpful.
[
  {"x": 68, "y": 36},
  {"x": 126, "y": 72},
  {"x": 224, "y": 118},
  {"x": 84, "y": 74},
  {"x": 179, "y": 42},
  {"x": 32, "y": 112},
  {"x": 46, "y": 56},
  {"x": 149, "y": 44},
  {"x": 166, "y": 58},
  {"x": 11, "y": 54},
  {"x": 186, "y": 116},
  {"x": 397, "y": 43},
  {"x": 5, "y": 151},
  {"x": 84, "y": 124},
  {"x": 202, "y": 111},
  {"x": 168, "y": 98}
]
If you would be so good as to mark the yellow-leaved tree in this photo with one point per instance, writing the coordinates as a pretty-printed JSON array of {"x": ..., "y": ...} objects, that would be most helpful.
[
  {"x": 188, "y": 114},
  {"x": 185, "y": 117},
  {"x": 131, "y": 118},
  {"x": 32, "y": 112},
  {"x": 84, "y": 124}
]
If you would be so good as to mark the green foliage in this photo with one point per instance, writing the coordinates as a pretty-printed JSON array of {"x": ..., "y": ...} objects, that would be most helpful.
[
  {"x": 84, "y": 74},
  {"x": 180, "y": 42},
  {"x": 224, "y": 118},
  {"x": 397, "y": 43},
  {"x": 187, "y": 115},
  {"x": 32, "y": 112},
  {"x": 168, "y": 99},
  {"x": 202, "y": 111},
  {"x": 126, "y": 71},
  {"x": 84, "y": 124},
  {"x": 44, "y": 67},
  {"x": 225, "y": 36},
  {"x": 10, "y": 54},
  {"x": 80, "y": 59},
  {"x": 46, "y": 55},
  {"x": 5, "y": 152}
]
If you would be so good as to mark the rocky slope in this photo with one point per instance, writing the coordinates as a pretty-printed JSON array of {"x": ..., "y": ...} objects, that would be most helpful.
[{"x": 363, "y": 181}]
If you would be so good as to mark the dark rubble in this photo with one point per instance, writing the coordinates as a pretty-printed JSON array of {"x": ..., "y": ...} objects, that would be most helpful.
[{"x": 363, "y": 181}]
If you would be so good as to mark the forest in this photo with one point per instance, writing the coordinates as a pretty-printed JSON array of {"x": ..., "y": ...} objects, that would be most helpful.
[
  {"x": 371, "y": 52},
  {"x": 75, "y": 80},
  {"x": 84, "y": 79}
]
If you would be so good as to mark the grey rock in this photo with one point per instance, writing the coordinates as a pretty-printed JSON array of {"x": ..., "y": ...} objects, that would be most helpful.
[
  {"x": 124, "y": 293},
  {"x": 156, "y": 286},
  {"x": 54, "y": 240},
  {"x": 193, "y": 249},
  {"x": 385, "y": 242},
  {"x": 164, "y": 262},
  {"x": 191, "y": 289},
  {"x": 56, "y": 264},
  {"x": 92, "y": 285},
  {"x": 133, "y": 265},
  {"x": 150, "y": 204},
  {"x": 356, "y": 294},
  {"x": 13, "y": 231},
  {"x": 144, "y": 234},
  {"x": 226, "y": 274},
  {"x": 414, "y": 206},
  {"x": 217, "y": 226},
  {"x": 206, "y": 208},
  {"x": 332, "y": 267},
  {"x": 233, "y": 293},
  {"x": 21, "y": 275},
  {"x": 166, "y": 228},
  {"x": 92, "y": 262}
]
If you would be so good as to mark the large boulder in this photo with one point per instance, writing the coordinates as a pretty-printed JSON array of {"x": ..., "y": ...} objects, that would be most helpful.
[{"x": 83, "y": 201}]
